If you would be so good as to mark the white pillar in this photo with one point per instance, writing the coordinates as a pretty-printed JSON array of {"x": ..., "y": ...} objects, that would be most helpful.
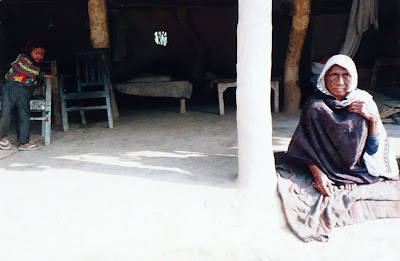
[
  {"x": 254, "y": 33},
  {"x": 257, "y": 176}
]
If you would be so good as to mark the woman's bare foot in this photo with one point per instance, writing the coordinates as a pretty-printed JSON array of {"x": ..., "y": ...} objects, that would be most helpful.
[{"x": 350, "y": 186}]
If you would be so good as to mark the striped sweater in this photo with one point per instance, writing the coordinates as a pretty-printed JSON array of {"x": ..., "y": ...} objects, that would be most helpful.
[{"x": 24, "y": 71}]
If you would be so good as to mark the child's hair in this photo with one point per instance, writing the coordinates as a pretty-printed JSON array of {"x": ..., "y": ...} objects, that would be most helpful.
[{"x": 34, "y": 43}]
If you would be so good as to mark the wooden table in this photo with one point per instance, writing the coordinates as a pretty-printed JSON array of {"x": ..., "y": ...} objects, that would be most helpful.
[{"x": 223, "y": 84}]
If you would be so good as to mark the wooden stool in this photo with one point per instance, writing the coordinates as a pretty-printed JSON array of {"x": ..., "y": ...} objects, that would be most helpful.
[{"x": 223, "y": 84}]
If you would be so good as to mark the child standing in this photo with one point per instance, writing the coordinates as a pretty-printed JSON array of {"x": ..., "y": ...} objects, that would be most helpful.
[{"x": 16, "y": 94}]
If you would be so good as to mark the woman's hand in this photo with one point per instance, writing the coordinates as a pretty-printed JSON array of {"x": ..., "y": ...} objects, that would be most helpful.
[
  {"x": 361, "y": 108},
  {"x": 321, "y": 181}
]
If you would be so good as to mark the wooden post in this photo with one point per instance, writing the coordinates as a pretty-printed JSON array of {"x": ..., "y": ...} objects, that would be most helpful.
[
  {"x": 300, "y": 21},
  {"x": 56, "y": 94},
  {"x": 100, "y": 36}
]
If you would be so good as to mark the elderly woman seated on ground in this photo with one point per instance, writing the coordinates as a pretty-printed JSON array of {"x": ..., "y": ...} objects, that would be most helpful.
[{"x": 340, "y": 135}]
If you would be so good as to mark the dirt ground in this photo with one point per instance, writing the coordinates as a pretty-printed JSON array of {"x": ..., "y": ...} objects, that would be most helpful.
[{"x": 158, "y": 186}]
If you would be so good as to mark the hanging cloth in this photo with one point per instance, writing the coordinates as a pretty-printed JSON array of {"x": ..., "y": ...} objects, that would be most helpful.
[{"x": 363, "y": 14}]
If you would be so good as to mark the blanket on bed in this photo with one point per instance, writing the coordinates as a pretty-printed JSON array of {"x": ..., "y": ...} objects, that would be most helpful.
[{"x": 312, "y": 216}]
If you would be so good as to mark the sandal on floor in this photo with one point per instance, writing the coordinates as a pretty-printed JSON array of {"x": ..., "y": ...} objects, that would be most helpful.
[
  {"x": 5, "y": 145},
  {"x": 32, "y": 147}
]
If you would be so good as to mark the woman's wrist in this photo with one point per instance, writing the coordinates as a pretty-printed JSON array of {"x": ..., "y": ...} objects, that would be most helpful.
[
  {"x": 373, "y": 127},
  {"x": 315, "y": 171},
  {"x": 373, "y": 119}
]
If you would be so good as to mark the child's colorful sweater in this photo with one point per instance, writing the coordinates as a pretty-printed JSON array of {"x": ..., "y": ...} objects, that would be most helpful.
[{"x": 24, "y": 71}]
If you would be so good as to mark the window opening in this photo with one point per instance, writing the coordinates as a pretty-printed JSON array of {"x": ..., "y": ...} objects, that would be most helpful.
[{"x": 160, "y": 38}]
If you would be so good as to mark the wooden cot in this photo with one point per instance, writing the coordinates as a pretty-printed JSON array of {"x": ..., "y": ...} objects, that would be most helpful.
[{"x": 174, "y": 89}]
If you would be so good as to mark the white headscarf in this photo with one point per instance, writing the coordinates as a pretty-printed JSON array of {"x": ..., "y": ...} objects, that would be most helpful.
[{"x": 345, "y": 62}]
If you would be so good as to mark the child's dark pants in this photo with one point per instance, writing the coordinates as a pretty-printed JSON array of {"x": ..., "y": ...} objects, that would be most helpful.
[{"x": 15, "y": 96}]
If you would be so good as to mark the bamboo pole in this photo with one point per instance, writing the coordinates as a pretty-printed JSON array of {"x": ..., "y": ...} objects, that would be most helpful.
[{"x": 100, "y": 36}]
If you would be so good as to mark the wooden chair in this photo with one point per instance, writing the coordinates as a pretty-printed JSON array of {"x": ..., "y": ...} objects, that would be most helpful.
[
  {"x": 43, "y": 107},
  {"x": 93, "y": 82}
]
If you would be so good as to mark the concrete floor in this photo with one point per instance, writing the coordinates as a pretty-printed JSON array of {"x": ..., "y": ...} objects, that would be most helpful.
[{"x": 158, "y": 186}]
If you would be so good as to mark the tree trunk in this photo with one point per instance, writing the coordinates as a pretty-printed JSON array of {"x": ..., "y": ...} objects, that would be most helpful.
[
  {"x": 100, "y": 36},
  {"x": 300, "y": 21}
]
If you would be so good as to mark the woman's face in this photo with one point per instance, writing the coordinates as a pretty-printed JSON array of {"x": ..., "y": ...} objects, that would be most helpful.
[
  {"x": 37, "y": 54},
  {"x": 338, "y": 80}
]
